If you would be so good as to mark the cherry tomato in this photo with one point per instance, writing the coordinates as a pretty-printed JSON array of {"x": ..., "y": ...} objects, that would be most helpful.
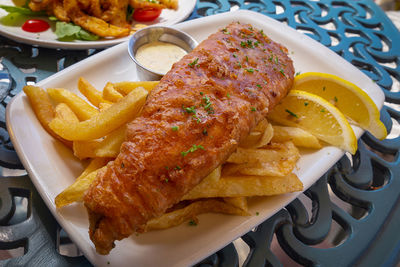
[
  {"x": 146, "y": 14},
  {"x": 35, "y": 25}
]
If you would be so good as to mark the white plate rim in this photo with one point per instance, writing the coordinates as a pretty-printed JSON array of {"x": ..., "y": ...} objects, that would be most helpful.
[
  {"x": 334, "y": 153},
  {"x": 186, "y": 6}
]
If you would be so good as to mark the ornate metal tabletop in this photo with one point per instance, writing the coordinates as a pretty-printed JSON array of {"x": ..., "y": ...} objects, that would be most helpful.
[{"x": 348, "y": 217}]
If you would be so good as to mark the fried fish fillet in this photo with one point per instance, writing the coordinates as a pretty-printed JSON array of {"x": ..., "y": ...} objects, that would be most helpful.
[{"x": 192, "y": 121}]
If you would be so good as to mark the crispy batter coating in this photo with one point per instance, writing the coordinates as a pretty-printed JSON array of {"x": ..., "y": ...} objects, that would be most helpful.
[{"x": 192, "y": 121}]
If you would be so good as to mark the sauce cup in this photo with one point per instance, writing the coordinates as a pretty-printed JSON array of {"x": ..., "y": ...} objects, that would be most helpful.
[{"x": 161, "y": 34}]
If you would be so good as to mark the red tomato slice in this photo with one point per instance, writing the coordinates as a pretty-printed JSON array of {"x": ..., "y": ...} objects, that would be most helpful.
[
  {"x": 35, "y": 25},
  {"x": 146, "y": 14}
]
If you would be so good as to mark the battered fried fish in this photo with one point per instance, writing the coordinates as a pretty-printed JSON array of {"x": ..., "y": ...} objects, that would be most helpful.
[{"x": 192, "y": 121}]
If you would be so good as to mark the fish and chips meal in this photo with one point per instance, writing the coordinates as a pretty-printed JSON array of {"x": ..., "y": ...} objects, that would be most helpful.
[{"x": 198, "y": 141}]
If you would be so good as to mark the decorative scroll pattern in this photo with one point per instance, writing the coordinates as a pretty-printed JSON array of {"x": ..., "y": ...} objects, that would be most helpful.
[{"x": 367, "y": 183}]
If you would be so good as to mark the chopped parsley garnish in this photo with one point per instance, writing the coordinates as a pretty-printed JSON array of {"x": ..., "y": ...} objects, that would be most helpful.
[
  {"x": 194, "y": 63},
  {"x": 192, "y": 149},
  {"x": 323, "y": 88},
  {"x": 282, "y": 72},
  {"x": 178, "y": 167},
  {"x": 276, "y": 60},
  {"x": 175, "y": 128},
  {"x": 166, "y": 180},
  {"x": 205, "y": 132},
  {"x": 257, "y": 213},
  {"x": 189, "y": 109},
  {"x": 298, "y": 73},
  {"x": 225, "y": 31},
  {"x": 253, "y": 109},
  {"x": 196, "y": 118},
  {"x": 201, "y": 93},
  {"x": 228, "y": 95},
  {"x": 291, "y": 113},
  {"x": 242, "y": 44},
  {"x": 258, "y": 85},
  {"x": 247, "y": 59},
  {"x": 192, "y": 223},
  {"x": 336, "y": 99},
  {"x": 234, "y": 55},
  {"x": 306, "y": 104},
  {"x": 249, "y": 70},
  {"x": 122, "y": 165},
  {"x": 207, "y": 105},
  {"x": 250, "y": 44},
  {"x": 323, "y": 110}
]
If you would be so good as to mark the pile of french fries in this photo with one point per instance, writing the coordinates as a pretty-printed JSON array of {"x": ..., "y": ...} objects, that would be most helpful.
[
  {"x": 95, "y": 128},
  {"x": 103, "y": 18}
]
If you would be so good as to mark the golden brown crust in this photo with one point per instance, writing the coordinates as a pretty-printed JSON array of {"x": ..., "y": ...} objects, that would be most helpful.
[{"x": 215, "y": 95}]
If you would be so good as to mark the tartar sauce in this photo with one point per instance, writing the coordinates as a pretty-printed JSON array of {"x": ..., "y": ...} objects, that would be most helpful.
[{"x": 159, "y": 56}]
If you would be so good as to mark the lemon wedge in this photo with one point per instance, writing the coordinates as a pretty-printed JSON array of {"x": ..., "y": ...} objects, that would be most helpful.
[
  {"x": 317, "y": 116},
  {"x": 351, "y": 100}
]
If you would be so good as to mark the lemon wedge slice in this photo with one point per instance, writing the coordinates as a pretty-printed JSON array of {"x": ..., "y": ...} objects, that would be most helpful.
[
  {"x": 317, "y": 116},
  {"x": 351, "y": 100}
]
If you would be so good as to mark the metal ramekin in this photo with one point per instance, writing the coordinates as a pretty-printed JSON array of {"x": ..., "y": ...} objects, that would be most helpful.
[{"x": 162, "y": 34}]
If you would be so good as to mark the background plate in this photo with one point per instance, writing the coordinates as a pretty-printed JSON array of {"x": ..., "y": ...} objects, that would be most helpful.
[
  {"x": 49, "y": 39},
  {"x": 52, "y": 167}
]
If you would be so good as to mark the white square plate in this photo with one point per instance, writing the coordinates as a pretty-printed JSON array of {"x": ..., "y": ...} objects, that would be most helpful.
[{"x": 52, "y": 167}]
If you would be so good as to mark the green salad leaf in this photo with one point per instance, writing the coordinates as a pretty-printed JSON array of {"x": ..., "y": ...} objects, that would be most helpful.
[
  {"x": 69, "y": 31},
  {"x": 13, "y": 19},
  {"x": 22, "y": 10}
]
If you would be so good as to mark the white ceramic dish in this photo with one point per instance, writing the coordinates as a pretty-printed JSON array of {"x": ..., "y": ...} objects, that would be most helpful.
[
  {"x": 49, "y": 39},
  {"x": 52, "y": 167}
]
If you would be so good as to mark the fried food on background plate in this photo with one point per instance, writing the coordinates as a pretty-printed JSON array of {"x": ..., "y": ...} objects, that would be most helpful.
[{"x": 103, "y": 18}]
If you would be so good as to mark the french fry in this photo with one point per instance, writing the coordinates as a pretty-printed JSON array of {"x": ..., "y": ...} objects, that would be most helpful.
[
  {"x": 239, "y": 202},
  {"x": 259, "y": 137},
  {"x": 274, "y": 168},
  {"x": 110, "y": 94},
  {"x": 104, "y": 106},
  {"x": 243, "y": 186},
  {"x": 75, "y": 192},
  {"x": 108, "y": 147},
  {"x": 43, "y": 109},
  {"x": 272, "y": 152},
  {"x": 125, "y": 87},
  {"x": 92, "y": 94},
  {"x": 191, "y": 211},
  {"x": 63, "y": 112},
  {"x": 279, "y": 159},
  {"x": 105, "y": 122},
  {"x": 298, "y": 136},
  {"x": 80, "y": 107}
]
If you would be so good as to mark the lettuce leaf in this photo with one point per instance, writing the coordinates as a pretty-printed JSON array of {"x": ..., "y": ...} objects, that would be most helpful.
[
  {"x": 22, "y": 10},
  {"x": 69, "y": 31}
]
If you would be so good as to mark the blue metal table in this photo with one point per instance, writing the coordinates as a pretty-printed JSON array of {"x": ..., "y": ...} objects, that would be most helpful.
[{"x": 348, "y": 217}]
